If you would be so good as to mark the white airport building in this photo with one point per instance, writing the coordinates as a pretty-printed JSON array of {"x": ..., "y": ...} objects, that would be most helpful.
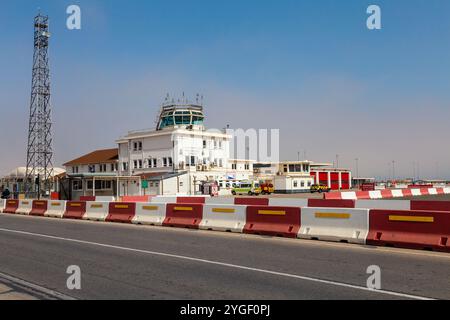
[{"x": 180, "y": 154}]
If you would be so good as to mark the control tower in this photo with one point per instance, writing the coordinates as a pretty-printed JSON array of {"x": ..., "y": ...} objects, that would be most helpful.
[{"x": 181, "y": 113}]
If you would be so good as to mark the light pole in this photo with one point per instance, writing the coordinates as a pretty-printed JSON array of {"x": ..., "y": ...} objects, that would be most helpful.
[
  {"x": 337, "y": 161},
  {"x": 357, "y": 172},
  {"x": 393, "y": 169}
]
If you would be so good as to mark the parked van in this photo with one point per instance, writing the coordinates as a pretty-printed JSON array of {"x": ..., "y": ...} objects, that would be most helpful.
[{"x": 248, "y": 188}]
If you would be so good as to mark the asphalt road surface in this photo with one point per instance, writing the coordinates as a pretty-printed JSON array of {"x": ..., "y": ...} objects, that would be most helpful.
[{"x": 143, "y": 262}]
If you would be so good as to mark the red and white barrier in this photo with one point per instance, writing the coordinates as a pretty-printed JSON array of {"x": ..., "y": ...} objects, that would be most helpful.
[
  {"x": 384, "y": 194},
  {"x": 2, "y": 205},
  {"x": 402, "y": 223}
]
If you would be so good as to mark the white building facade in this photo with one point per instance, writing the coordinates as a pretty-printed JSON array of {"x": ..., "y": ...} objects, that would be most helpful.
[{"x": 180, "y": 145}]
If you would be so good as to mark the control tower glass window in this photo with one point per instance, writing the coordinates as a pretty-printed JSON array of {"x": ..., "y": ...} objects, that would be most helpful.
[{"x": 181, "y": 115}]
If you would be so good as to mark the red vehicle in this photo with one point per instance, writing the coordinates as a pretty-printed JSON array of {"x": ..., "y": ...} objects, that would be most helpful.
[{"x": 267, "y": 188}]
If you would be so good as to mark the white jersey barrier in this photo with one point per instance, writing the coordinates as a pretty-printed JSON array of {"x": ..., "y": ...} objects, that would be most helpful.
[
  {"x": 2, "y": 205},
  {"x": 350, "y": 195},
  {"x": 285, "y": 202},
  {"x": 432, "y": 191},
  {"x": 375, "y": 194},
  {"x": 335, "y": 224},
  {"x": 150, "y": 213},
  {"x": 56, "y": 209},
  {"x": 164, "y": 199},
  {"x": 397, "y": 193},
  {"x": 24, "y": 207},
  {"x": 229, "y": 218},
  {"x": 96, "y": 210},
  {"x": 416, "y": 192},
  {"x": 446, "y": 190},
  {"x": 220, "y": 200},
  {"x": 105, "y": 199},
  {"x": 383, "y": 204}
]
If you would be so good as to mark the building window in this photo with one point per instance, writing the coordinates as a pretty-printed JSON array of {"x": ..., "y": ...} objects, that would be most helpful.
[
  {"x": 309, "y": 183},
  {"x": 99, "y": 185},
  {"x": 137, "y": 146},
  {"x": 220, "y": 144},
  {"x": 170, "y": 161},
  {"x": 102, "y": 167},
  {"x": 135, "y": 164},
  {"x": 295, "y": 183},
  {"x": 303, "y": 184},
  {"x": 91, "y": 168},
  {"x": 124, "y": 166},
  {"x": 155, "y": 163},
  {"x": 204, "y": 144},
  {"x": 164, "y": 162},
  {"x": 234, "y": 166},
  {"x": 77, "y": 185},
  {"x": 247, "y": 167},
  {"x": 74, "y": 169},
  {"x": 140, "y": 164},
  {"x": 220, "y": 163}
]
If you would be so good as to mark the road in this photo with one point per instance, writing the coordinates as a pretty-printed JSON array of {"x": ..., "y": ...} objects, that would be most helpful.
[{"x": 143, "y": 262}]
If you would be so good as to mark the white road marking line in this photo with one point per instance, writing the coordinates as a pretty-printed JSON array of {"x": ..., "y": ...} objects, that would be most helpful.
[
  {"x": 281, "y": 274},
  {"x": 39, "y": 289}
]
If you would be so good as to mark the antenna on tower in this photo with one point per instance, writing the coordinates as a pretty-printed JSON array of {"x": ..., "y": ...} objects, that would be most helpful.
[{"x": 39, "y": 171}]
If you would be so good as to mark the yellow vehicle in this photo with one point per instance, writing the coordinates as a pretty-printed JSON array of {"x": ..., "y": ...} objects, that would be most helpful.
[
  {"x": 319, "y": 188},
  {"x": 247, "y": 188},
  {"x": 267, "y": 188}
]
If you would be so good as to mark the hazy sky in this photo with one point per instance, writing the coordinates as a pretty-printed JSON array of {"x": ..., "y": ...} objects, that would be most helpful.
[{"x": 310, "y": 68}]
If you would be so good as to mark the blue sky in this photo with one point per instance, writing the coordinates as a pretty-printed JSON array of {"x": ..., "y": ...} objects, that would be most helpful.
[{"x": 310, "y": 68}]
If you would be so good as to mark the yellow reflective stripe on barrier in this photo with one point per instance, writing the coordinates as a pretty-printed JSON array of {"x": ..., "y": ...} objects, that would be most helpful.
[
  {"x": 54, "y": 204},
  {"x": 12, "y": 202},
  {"x": 332, "y": 215},
  {"x": 152, "y": 208},
  {"x": 96, "y": 206},
  {"x": 74, "y": 204},
  {"x": 121, "y": 206},
  {"x": 272, "y": 212},
  {"x": 183, "y": 209},
  {"x": 224, "y": 210},
  {"x": 411, "y": 219},
  {"x": 24, "y": 202},
  {"x": 40, "y": 203}
]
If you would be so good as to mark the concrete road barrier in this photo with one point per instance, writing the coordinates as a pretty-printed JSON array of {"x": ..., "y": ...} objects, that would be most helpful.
[
  {"x": 122, "y": 212},
  {"x": 429, "y": 230},
  {"x": 335, "y": 224},
  {"x": 75, "y": 210},
  {"x": 384, "y": 204},
  {"x": 273, "y": 221},
  {"x": 24, "y": 207},
  {"x": 150, "y": 213},
  {"x": 183, "y": 215},
  {"x": 39, "y": 208},
  {"x": 96, "y": 211},
  {"x": 56, "y": 209},
  {"x": 230, "y": 218}
]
